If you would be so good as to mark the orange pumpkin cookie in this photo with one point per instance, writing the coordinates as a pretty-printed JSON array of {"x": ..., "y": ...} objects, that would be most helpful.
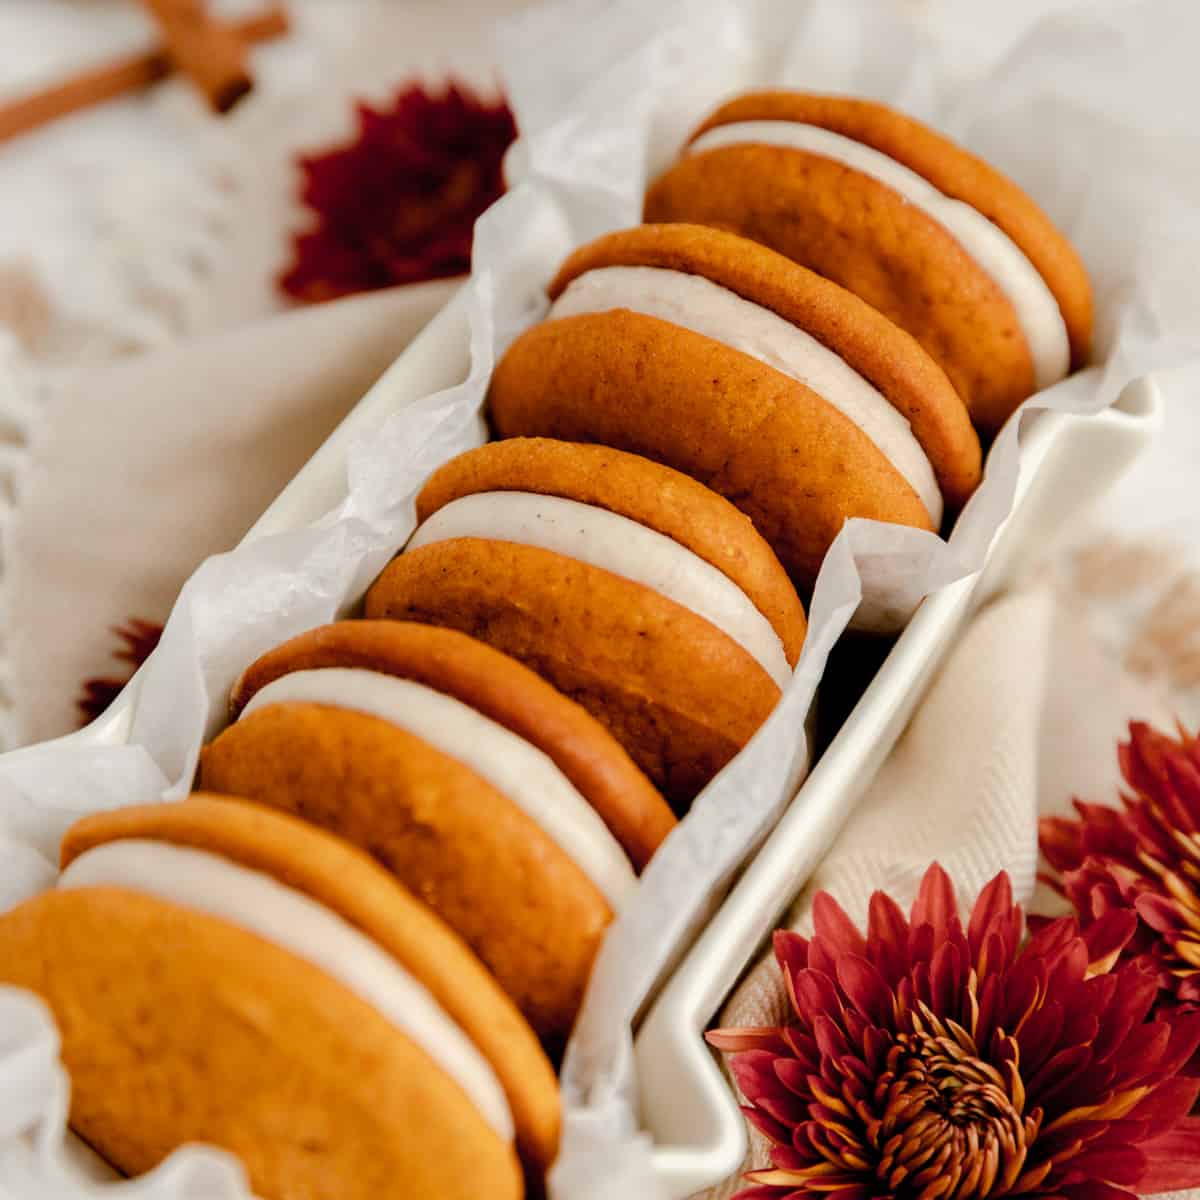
[
  {"x": 681, "y": 696},
  {"x": 350, "y": 884},
  {"x": 654, "y": 496},
  {"x": 532, "y": 909},
  {"x": 645, "y": 597},
  {"x": 201, "y": 998},
  {"x": 891, "y": 368},
  {"x": 500, "y": 689},
  {"x": 919, "y": 228}
]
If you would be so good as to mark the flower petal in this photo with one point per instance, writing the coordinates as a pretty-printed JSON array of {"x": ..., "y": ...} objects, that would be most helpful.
[
  {"x": 1061, "y": 841},
  {"x": 865, "y": 988},
  {"x": 947, "y": 979},
  {"x": 1120, "y": 1165},
  {"x": 754, "y": 1073},
  {"x": 1106, "y": 938},
  {"x": 791, "y": 950},
  {"x": 994, "y": 914},
  {"x": 767, "y": 1126},
  {"x": 1143, "y": 1051},
  {"x": 1185, "y": 1040},
  {"x": 1056, "y": 1074},
  {"x": 1039, "y": 1036},
  {"x": 1168, "y": 1104},
  {"x": 763, "y": 1192},
  {"x": 1105, "y": 832},
  {"x": 794, "y": 1075},
  {"x": 921, "y": 944},
  {"x": 1050, "y": 938},
  {"x": 887, "y": 938},
  {"x": 936, "y": 904},
  {"x": 1159, "y": 913},
  {"x": 1173, "y": 1159},
  {"x": 816, "y": 993},
  {"x": 834, "y": 928},
  {"x": 1092, "y": 1190},
  {"x": 1136, "y": 992},
  {"x": 1067, "y": 966},
  {"x": 1016, "y": 997},
  {"x": 830, "y": 1037},
  {"x": 822, "y": 957}
]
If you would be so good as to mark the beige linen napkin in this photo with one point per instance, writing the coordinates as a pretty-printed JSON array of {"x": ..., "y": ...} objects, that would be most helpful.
[
  {"x": 1027, "y": 710},
  {"x": 140, "y": 469}
]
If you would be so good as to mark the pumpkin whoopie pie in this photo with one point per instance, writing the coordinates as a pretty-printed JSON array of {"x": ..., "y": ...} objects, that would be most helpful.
[
  {"x": 924, "y": 231},
  {"x": 631, "y": 588},
  {"x": 499, "y": 802},
  {"x": 722, "y": 359},
  {"x": 223, "y": 973}
]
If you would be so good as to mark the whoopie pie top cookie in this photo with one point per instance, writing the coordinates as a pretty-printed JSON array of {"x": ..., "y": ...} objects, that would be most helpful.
[
  {"x": 924, "y": 231},
  {"x": 361, "y": 733},
  {"x": 350, "y": 884},
  {"x": 636, "y": 592},
  {"x": 201, "y": 997},
  {"x": 498, "y": 688},
  {"x": 724, "y": 360},
  {"x": 654, "y": 497}
]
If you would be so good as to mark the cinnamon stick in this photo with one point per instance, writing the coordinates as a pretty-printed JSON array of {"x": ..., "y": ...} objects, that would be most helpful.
[
  {"x": 118, "y": 78},
  {"x": 213, "y": 55}
]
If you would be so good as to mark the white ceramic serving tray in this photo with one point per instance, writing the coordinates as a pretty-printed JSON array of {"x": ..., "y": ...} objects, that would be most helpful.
[{"x": 686, "y": 1102}]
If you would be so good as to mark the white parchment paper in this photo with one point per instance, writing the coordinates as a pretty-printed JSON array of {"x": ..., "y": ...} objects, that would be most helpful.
[{"x": 1091, "y": 111}]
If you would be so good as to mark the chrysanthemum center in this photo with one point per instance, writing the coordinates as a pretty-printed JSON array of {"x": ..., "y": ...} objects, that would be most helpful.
[{"x": 948, "y": 1125}]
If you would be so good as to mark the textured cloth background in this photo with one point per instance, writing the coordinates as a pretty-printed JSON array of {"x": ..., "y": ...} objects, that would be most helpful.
[{"x": 129, "y": 491}]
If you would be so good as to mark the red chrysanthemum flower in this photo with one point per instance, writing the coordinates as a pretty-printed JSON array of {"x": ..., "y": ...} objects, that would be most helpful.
[
  {"x": 138, "y": 639},
  {"x": 1142, "y": 858},
  {"x": 925, "y": 1060},
  {"x": 399, "y": 205}
]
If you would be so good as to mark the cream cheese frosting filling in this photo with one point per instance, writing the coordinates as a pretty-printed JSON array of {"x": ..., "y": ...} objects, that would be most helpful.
[
  {"x": 1037, "y": 310},
  {"x": 255, "y": 902},
  {"x": 707, "y": 308},
  {"x": 620, "y": 546},
  {"x": 514, "y": 767}
]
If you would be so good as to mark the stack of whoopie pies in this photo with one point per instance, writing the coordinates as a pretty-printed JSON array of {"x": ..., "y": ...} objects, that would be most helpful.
[
  {"x": 360, "y": 970},
  {"x": 352, "y": 956}
]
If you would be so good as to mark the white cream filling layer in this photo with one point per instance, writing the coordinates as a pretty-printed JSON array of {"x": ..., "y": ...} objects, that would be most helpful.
[
  {"x": 707, "y": 308},
  {"x": 261, "y": 905},
  {"x": 514, "y": 767},
  {"x": 1037, "y": 310},
  {"x": 621, "y": 546}
]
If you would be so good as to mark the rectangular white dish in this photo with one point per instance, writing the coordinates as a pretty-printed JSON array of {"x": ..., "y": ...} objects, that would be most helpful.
[{"x": 685, "y": 1102}]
